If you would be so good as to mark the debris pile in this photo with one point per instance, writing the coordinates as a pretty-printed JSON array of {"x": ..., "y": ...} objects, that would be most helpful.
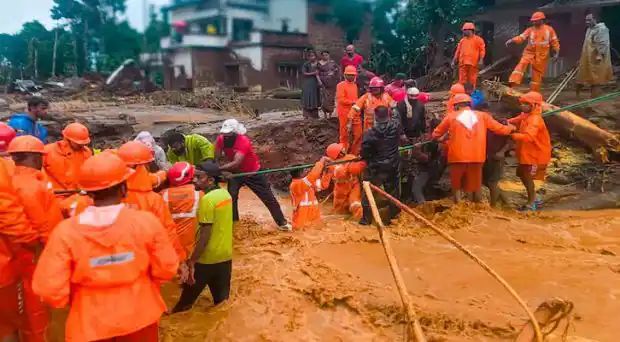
[{"x": 204, "y": 98}]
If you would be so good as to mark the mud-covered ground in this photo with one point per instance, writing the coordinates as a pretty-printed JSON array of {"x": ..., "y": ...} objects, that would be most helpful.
[{"x": 332, "y": 282}]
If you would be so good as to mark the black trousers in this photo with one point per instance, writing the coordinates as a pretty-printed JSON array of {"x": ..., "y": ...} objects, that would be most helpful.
[
  {"x": 389, "y": 179},
  {"x": 216, "y": 276},
  {"x": 261, "y": 187}
]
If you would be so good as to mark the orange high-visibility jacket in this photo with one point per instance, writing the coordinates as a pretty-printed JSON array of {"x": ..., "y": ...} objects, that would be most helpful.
[
  {"x": 539, "y": 41},
  {"x": 183, "y": 203},
  {"x": 109, "y": 275},
  {"x": 346, "y": 96},
  {"x": 366, "y": 106},
  {"x": 40, "y": 205},
  {"x": 347, "y": 187},
  {"x": 15, "y": 229},
  {"x": 533, "y": 144},
  {"x": 470, "y": 51},
  {"x": 468, "y": 145},
  {"x": 158, "y": 178},
  {"x": 303, "y": 197},
  {"x": 62, "y": 164},
  {"x": 140, "y": 195},
  {"x": 75, "y": 204}
]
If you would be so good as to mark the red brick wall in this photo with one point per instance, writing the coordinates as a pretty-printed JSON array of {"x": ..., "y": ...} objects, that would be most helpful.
[{"x": 209, "y": 66}]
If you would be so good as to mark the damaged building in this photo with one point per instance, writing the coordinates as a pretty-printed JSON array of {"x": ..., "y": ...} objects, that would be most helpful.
[
  {"x": 247, "y": 43},
  {"x": 505, "y": 19}
]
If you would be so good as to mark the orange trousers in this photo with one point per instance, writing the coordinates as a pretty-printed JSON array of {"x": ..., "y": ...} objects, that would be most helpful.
[
  {"x": 36, "y": 314},
  {"x": 539, "y": 68},
  {"x": 468, "y": 74},
  {"x": 343, "y": 119},
  {"x": 348, "y": 199},
  {"x": 356, "y": 144},
  {"x": 11, "y": 319}
]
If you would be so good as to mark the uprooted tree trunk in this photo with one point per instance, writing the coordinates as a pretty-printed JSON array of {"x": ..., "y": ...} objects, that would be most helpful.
[{"x": 566, "y": 123}]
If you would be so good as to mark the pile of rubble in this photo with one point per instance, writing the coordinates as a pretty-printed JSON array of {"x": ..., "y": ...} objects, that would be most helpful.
[{"x": 203, "y": 98}]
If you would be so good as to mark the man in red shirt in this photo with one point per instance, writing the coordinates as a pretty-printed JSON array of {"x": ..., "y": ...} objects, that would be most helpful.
[
  {"x": 241, "y": 158},
  {"x": 351, "y": 58}
]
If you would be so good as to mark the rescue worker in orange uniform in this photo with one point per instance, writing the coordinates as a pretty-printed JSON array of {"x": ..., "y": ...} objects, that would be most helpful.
[
  {"x": 346, "y": 179},
  {"x": 107, "y": 262},
  {"x": 469, "y": 55},
  {"x": 64, "y": 158},
  {"x": 346, "y": 96},
  {"x": 140, "y": 194},
  {"x": 306, "y": 209},
  {"x": 467, "y": 145},
  {"x": 362, "y": 114},
  {"x": 533, "y": 146},
  {"x": 7, "y": 133},
  {"x": 456, "y": 89},
  {"x": 541, "y": 42},
  {"x": 15, "y": 233},
  {"x": 43, "y": 212},
  {"x": 183, "y": 200}
]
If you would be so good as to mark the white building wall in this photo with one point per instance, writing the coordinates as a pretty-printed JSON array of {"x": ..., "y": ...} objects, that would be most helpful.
[
  {"x": 183, "y": 57},
  {"x": 253, "y": 53},
  {"x": 294, "y": 10},
  {"x": 191, "y": 13}
]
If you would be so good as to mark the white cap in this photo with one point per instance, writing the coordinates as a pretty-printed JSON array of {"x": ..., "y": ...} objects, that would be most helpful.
[
  {"x": 413, "y": 91},
  {"x": 232, "y": 125}
]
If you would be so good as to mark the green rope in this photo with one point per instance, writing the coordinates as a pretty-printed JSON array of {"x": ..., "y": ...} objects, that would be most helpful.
[{"x": 582, "y": 103}]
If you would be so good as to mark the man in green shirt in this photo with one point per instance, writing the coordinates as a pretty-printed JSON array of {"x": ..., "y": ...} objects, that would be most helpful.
[
  {"x": 211, "y": 262},
  {"x": 191, "y": 148}
]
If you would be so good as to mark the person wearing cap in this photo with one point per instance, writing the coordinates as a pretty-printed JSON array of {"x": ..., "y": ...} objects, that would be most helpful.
[
  {"x": 303, "y": 187},
  {"x": 108, "y": 262},
  {"x": 469, "y": 55},
  {"x": 381, "y": 154},
  {"x": 397, "y": 89},
  {"x": 191, "y": 148},
  {"x": 346, "y": 96},
  {"x": 43, "y": 212},
  {"x": 362, "y": 113},
  {"x": 16, "y": 233},
  {"x": 346, "y": 179},
  {"x": 542, "y": 41},
  {"x": 7, "y": 134},
  {"x": 211, "y": 261},
  {"x": 27, "y": 123},
  {"x": 183, "y": 200},
  {"x": 64, "y": 158},
  {"x": 467, "y": 129},
  {"x": 533, "y": 146},
  {"x": 140, "y": 194},
  {"x": 455, "y": 89},
  {"x": 236, "y": 147}
]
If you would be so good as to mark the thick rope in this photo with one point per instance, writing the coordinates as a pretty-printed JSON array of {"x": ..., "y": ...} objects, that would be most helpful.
[{"x": 502, "y": 281}]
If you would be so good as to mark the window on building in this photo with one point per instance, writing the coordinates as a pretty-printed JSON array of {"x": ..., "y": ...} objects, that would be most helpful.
[
  {"x": 288, "y": 75},
  {"x": 242, "y": 29}
]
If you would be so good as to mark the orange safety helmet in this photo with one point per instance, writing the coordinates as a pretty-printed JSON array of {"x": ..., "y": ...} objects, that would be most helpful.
[
  {"x": 26, "y": 143},
  {"x": 468, "y": 26},
  {"x": 532, "y": 97},
  {"x": 333, "y": 151},
  {"x": 135, "y": 153},
  {"x": 462, "y": 98},
  {"x": 538, "y": 16},
  {"x": 376, "y": 82},
  {"x": 7, "y": 133},
  {"x": 457, "y": 88},
  {"x": 102, "y": 171},
  {"x": 181, "y": 173},
  {"x": 77, "y": 133},
  {"x": 350, "y": 70}
]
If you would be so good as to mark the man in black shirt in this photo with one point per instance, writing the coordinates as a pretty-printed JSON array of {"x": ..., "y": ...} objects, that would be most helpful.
[{"x": 380, "y": 151}]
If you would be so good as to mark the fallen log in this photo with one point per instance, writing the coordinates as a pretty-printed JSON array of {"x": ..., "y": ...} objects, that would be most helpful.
[{"x": 565, "y": 123}]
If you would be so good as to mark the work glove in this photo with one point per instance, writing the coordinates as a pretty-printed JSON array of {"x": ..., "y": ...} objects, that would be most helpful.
[{"x": 508, "y": 42}]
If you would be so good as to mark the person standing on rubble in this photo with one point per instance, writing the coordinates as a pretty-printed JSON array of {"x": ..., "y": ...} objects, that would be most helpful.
[
  {"x": 329, "y": 74},
  {"x": 595, "y": 64},
  {"x": 542, "y": 41},
  {"x": 27, "y": 124},
  {"x": 211, "y": 260},
  {"x": 310, "y": 88},
  {"x": 397, "y": 89},
  {"x": 351, "y": 58},
  {"x": 469, "y": 55},
  {"x": 380, "y": 152},
  {"x": 346, "y": 96},
  {"x": 533, "y": 146},
  {"x": 455, "y": 89},
  {"x": 108, "y": 262},
  {"x": 191, "y": 148},
  {"x": 467, "y": 145},
  {"x": 236, "y": 146},
  {"x": 362, "y": 114}
]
